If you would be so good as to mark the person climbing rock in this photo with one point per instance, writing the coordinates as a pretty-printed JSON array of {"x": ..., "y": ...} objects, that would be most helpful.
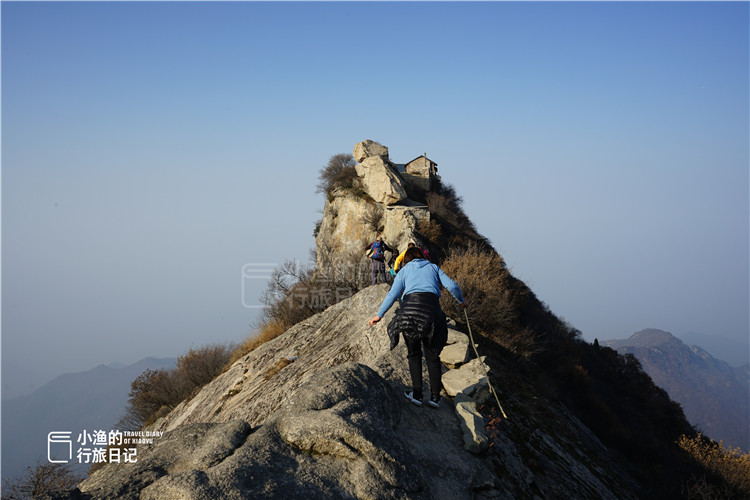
[
  {"x": 420, "y": 320},
  {"x": 376, "y": 252},
  {"x": 400, "y": 259}
]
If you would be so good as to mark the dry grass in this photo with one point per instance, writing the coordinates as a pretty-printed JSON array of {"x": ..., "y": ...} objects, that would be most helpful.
[
  {"x": 276, "y": 369},
  {"x": 268, "y": 331}
]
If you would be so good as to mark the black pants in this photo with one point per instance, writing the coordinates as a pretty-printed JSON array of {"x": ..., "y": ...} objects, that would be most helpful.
[
  {"x": 421, "y": 323},
  {"x": 414, "y": 356},
  {"x": 378, "y": 267}
]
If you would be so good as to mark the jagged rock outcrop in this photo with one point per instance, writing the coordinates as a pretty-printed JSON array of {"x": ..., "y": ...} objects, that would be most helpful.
[
  {"x": 369, "y": 148},
  {"x": 401, "y": 222},
  {"x": 319, "y": 412},
  {"x": 378, "y": 178}
]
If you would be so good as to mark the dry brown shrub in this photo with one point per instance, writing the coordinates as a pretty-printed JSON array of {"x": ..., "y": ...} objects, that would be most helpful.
[
  {"x": 480, "y": 275},
  {"x": 447, "y": 206},
  {"x": 153, "y": 393},
  {"x": 200, "y": 366},
  {"x": 430, "y": 230},
  {"x": 500, "y": 305},
  {"x": 730, "y": 464}
]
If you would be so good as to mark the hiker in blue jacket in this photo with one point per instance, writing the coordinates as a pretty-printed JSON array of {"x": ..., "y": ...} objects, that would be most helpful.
[
  {"x": 420, "y": 320},
  {"x": 377, "y": 258}
]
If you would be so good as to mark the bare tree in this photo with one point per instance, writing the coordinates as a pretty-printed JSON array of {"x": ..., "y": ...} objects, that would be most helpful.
[
  {"x": 339, "y": 172},
  {"x": 41, "y": 479},
  {"x": 373, "y": 217}
]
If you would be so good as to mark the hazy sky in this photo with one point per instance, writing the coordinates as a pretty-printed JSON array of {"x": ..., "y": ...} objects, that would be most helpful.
[{"x": 151, "y": 150}]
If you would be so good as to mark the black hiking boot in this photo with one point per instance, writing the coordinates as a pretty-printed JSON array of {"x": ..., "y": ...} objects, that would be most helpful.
[
  {"x": 414, "y": 398},
  {"x": 434, "y": 401}
]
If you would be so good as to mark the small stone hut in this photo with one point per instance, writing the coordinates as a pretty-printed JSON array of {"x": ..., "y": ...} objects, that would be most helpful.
[{"x": 421, "y": 172}]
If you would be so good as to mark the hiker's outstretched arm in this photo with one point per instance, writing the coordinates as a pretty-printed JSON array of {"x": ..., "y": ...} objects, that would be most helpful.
[
  {"x": 451, "y": 286},
  {"x": 396, "y": 290}
]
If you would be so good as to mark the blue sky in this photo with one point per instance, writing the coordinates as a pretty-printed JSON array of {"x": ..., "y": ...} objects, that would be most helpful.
[{"x": 150, "y": 150}]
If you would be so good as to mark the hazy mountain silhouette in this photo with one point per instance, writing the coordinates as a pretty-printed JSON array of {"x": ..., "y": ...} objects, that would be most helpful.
[
  {"x": 713, "y": 394},
  {"x": 89, "y": 400}
]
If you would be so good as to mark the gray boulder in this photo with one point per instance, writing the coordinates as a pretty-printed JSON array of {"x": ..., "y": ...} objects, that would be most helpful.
[
  {"x": 369, "y": 148},
  {"x": 472, "y": 424}
]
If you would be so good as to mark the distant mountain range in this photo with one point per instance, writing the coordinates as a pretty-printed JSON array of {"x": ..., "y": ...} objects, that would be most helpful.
[
  {"x": 89, "y": 400},
  {"x": 713, "y": 395}
]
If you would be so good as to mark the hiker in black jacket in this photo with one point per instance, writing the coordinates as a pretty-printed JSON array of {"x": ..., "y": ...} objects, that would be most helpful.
[
  {"x": 377, "y": 259},
  {"x": 420, "y": 320}
]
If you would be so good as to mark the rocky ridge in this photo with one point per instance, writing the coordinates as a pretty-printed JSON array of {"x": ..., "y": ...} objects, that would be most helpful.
[{"x": 319, "y": 411}]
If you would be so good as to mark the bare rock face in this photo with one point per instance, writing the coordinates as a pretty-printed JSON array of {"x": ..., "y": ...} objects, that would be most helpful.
[
  {"x": 344, "y": 233},
  {"x": 346, "y": 433},
  {"x": 247, "y": 391},
  {"x": 380, "y": 181},
  {"x": 319, "y": 411}
]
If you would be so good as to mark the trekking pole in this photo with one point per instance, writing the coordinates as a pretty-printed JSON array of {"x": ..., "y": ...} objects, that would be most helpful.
[{"x": 486, "y": 375}]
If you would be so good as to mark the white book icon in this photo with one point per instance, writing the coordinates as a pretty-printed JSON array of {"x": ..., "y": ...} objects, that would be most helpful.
[{"x": 62, "y": 442}]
